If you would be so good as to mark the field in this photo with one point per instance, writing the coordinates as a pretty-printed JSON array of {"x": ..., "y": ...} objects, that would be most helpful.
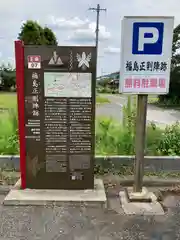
[{"x": 8, "y": 101}]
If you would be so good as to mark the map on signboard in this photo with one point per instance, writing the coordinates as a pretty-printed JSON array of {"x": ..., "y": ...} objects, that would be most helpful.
[
  {"x": 55, "y": 60},
  {"x": 67, "y": 84}
]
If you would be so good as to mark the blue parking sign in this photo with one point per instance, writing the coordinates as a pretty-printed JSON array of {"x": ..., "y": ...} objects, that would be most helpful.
[{"x": 147, "y": 38}]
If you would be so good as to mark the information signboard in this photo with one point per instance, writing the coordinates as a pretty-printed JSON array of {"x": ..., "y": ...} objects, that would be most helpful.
[
  {"x": 56, "y": 115},
  {"x": 146, "y": 50}
]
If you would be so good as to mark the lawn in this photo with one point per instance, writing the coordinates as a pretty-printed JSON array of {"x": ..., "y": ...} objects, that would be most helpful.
[
  {"x": 100, "y": 99},
  {"x": 8, "y": 101}
]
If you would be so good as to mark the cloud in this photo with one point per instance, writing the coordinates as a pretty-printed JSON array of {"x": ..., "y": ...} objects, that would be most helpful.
[
  {"x": 112, "y": 50},
  {"x": 65, "y": 24},
  {"x": 88, "y": 34},
  {"x": 80, "y": 31},
  {"x": 71, "y": 20}
]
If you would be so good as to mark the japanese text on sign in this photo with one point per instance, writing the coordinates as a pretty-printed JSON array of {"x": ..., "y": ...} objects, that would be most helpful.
[
  {"x": 35, "y": 90},
  {"x": 145, "y": 83},
  {"x": 146, "y": 66}
]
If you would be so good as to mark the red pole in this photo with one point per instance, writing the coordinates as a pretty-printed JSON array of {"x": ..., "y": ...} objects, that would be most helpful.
[{"x": 19, "y": 56}]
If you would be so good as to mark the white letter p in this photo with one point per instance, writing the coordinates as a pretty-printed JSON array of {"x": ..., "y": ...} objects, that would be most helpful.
[{"x": 143, "y": 40}]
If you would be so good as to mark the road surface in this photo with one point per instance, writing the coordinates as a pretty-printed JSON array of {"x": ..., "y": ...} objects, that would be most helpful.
[
  {"x": 160, "y": 116},
  {"x": 82, "y": 223}
]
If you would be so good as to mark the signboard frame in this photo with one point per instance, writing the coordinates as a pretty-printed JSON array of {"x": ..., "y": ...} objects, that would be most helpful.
[
  {"x": 145, "y": 74},
  {"x": 19, "y": 58},
  {"x": 23, "y": 54}
]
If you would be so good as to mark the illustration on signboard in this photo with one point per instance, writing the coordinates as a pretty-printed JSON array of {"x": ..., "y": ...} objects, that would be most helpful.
[
  {"x": 55, "y": 60},
  {"x": 83, "y": 60},
  {"x": 67, "y": 84}
]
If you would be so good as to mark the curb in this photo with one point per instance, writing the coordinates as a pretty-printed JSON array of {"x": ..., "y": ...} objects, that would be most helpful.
[
  {"x": 152, "y": 183},
  {"x": 148, "y": 181},
  {"x": 151, "y": 163}
]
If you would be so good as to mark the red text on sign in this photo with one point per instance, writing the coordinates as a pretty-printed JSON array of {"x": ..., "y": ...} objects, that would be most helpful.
[
  {"x": 145, "y": 83},
  {"x": 34, "y": 58}
]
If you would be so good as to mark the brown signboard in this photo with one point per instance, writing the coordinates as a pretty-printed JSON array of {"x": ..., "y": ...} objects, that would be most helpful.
[{"x": 59, "y": 117}]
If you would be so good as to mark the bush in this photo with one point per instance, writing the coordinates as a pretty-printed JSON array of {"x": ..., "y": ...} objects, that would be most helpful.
[
  {"x": 153, "y": 139},
  {"x": 9, "y": 143},
  {"x": 115, "y": 139},
  {"x": 107, "y": 90},
  {"x": 170, "y": 141},
  {"x": 112, "y": 138},
  {"x": 104, "y": 90},
  {"x": 8, "y": 78},
  {"x": 103, "y": 82}
]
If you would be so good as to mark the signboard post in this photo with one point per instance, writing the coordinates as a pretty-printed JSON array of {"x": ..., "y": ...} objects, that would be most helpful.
[
  {"x": 56, "y": 102},
  {"x": 146, "y": 48}
]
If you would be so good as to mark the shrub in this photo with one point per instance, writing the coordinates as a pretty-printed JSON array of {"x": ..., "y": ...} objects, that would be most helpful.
[
  {"x": 111, "y": 138},
  {"x": 119, "y": 139},
  {"x": 114, "y": 139},
  {"x": 154, "y": 136},
  {"x": 104, "y": 90},
  {"x": 170, "y": 141},
  {"x": 9, "y": 143}
]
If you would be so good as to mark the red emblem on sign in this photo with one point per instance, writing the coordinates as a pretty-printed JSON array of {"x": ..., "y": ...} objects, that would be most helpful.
[{"x": 34, "y": 62}]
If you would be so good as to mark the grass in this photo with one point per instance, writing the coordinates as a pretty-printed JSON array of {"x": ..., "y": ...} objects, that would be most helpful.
[
  {"x": 8, "y": 100},
  {"x": 152, "y": 99},
  {"x": 100, "y": 99}
]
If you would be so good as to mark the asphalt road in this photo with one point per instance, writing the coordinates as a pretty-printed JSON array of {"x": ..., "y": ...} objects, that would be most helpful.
[
  {"x": 72, "y": 223},
  {"x": 160, "y": 116}
]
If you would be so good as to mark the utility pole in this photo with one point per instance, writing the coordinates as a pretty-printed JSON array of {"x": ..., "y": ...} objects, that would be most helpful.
[{"x": 98, "y": 10}]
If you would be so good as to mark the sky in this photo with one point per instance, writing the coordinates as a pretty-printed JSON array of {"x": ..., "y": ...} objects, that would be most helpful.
[{"x": 74, "y": 24}]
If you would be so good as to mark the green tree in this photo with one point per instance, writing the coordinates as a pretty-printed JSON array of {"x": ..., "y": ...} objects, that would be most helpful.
[
  {"x": 32, "y": 33},
  {"x": 50, "y": 38},
  {"x": 173, "y": 97},
  {"x": 103, "y": 82},
  {"x": 8, "y": 77}
]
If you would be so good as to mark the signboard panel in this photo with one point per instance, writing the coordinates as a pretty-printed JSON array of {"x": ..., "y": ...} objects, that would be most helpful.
[
  {"x": 146, "y": 49},
  {"x": 59, "y": 117}
]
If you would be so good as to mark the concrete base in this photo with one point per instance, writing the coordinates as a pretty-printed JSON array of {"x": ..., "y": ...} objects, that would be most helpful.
[
  {"x": 136, "y": 204},
  {"x": 144, "y": 196},
  {"x": 34, "y": 197}
]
